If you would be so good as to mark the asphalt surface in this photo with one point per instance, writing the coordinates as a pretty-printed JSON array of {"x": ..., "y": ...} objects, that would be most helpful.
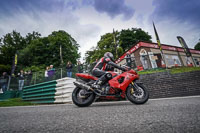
[{"x": 156, "y": 116}]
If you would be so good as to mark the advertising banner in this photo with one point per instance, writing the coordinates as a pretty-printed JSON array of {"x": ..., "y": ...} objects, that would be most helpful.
[{"x": 184, "y": 45}]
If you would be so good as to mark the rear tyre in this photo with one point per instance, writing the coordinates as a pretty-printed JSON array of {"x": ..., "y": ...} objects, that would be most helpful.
[
  {"x": 138, "y": 95},
  {"x": 81, "y": 99}
]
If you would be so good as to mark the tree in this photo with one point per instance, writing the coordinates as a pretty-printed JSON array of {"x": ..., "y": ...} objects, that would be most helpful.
[
  {"x": 129, "y": 37},
  {"x": 9, "y": 45},
  {"x": 32, "y": 36},
  {"x": 68, "y": 44},
  {"x": 197, "y": 46},
  {"x": 106, "y": 44},
  {"x": 45, "y": 51},
  {"x": 38, "y": 52},
  {"x": 89, "y": 55},
  {"x": 125, "y": 39},
  {"x": 34, "y": 53}
]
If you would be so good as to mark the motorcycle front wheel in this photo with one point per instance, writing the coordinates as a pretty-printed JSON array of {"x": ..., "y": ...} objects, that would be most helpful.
[
  {"x": 82, "y": 97},
  {"x": 137, "y": 94}
]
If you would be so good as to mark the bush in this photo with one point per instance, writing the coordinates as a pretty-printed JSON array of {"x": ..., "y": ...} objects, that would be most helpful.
[{"x": 5, "y": 68}]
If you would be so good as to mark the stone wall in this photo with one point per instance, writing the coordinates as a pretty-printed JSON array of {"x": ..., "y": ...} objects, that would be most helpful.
[{"x": 164, "y": 84}]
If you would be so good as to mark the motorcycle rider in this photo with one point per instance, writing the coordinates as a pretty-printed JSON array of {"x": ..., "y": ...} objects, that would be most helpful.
[{"x": 100, "y": 70}]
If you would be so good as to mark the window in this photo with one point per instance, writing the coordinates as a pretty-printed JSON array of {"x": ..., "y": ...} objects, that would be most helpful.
[
  {"x": 176, "y": 60},
  {"x": 196, "y": 61},
  {"x": 172, "y": 60}
]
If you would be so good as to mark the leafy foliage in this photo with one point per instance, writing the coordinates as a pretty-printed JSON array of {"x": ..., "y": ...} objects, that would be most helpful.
[
  {"x": 68, "y": 44},
  {"x": 197, "y": 46},
  {"x": 4, "y": 68},
  {"x": 106, "y": 44},
  {"x": 9, "y": 45},
  {"x": 123, "y": 41},
  {"x": 129, "y": 37},
  {"x": 36, "y": 52}
]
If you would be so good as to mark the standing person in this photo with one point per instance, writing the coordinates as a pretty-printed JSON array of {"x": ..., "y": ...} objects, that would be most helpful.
[
  {"x": 4, "y": 82},
  {"x": 21, "y": 79},
  {"x": 46, "y": 74},
  {"x": 29, "y": 77},
  {"x": 128, "y": 59},
  {"x": 51, "y": 72},
  {"x": 80, "y": 67},
  {"x": 25, "y": 78},
  {"x": 69, "y": 69}
]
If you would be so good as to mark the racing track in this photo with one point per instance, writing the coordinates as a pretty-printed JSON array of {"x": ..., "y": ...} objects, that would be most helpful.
[{"x": 164, "y": 115}]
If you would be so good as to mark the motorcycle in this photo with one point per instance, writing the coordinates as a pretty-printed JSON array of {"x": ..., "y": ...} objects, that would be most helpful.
[{"x": 121, "y": 85}]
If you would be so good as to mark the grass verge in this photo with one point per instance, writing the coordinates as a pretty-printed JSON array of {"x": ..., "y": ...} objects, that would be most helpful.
[
  {"x": 151, "y": 71},
  {"x": 173, "y": 70},
  {"x": 184, "y": 69},
  {"x": 15, "y": 102}
]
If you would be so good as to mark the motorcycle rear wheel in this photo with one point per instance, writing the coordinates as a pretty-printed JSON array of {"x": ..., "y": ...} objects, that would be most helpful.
[
  {"x": 82, "y": 100},
  {"x": 140, "y": 95}
]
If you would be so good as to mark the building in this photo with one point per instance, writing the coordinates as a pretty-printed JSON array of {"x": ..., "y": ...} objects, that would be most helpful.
[{"x": 149, "y": 56}]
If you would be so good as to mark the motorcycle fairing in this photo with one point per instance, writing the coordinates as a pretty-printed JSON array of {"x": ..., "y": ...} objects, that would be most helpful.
[
  {"x": 86, "y": 76},
  {"x": 128, "y": 78}
]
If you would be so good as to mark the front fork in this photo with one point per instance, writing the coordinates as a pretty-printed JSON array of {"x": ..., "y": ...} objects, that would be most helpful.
[
  {"x": 135, "y": 86},
  {"x": 132, "y": 90}
]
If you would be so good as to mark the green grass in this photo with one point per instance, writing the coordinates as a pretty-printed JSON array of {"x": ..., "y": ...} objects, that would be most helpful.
[
  {"x": 171, "y": 70},
  {"x": 151, "y": 71},
  {"x": 184, "y": 69},
  {"x": 15, "y": 102}
]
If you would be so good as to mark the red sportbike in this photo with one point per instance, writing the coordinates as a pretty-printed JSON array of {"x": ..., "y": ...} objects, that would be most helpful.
[{"x": 122, "y": 85}]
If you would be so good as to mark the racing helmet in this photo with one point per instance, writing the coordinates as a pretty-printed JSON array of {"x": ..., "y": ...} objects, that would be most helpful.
[{"x": 109, "y": 55}]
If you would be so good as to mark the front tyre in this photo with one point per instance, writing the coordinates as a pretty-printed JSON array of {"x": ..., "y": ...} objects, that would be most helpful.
[
  {"x": 82, "y": 97},
  {"x": 137, "y": 93}
]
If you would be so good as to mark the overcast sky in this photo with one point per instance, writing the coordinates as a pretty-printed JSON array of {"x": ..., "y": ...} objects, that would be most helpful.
[{"x": 87, "y": 20}]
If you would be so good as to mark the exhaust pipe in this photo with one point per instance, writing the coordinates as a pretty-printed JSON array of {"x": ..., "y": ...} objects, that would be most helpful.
[{"x": 83, "y": 86}]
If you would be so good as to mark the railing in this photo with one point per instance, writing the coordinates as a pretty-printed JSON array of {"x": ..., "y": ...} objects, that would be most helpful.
[{"x": 39, "y": 77}]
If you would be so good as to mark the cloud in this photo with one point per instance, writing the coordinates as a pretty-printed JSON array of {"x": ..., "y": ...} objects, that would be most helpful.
[
  {"x": 176, "y": 18},
  {"x": 46, "y": 20},
  {"x": 112, "y": 8},
  {"x": 9, "y": 7},
  {"x": 87, "y": 20},
  {"x": 182, "y": 11}
]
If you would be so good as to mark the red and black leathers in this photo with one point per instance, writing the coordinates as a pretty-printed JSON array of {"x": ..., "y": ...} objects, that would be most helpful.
[{"x": 100, "y": 69}]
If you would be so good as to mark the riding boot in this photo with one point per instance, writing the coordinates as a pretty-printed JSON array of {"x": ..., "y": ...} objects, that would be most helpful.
[{"x": 99, "y": 82}]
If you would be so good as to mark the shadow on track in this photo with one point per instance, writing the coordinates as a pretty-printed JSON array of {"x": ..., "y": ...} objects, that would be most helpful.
[{"x": 112, "y": 104}]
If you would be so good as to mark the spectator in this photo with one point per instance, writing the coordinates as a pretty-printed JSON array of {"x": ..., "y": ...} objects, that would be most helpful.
[
  {"x": 25, "y": 73},
  {"x": 128, "y": 59},
  {"x": 21, "y": 80},
  {"x": 46, "y": 74},
  {"x": 51, "y": 72},
  {"x": 80, "y": 67},
  {"x": 25, "y": 78},
  {"x": 69, "y": 69},
  {"x": 29, "y": 77},
  {"x": 4, "y": 82}
]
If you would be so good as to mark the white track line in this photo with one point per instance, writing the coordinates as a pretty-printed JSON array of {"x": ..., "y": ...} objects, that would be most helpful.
[
  {"x": 175, "y": 98},
  {"x": 157, "y": 99}
]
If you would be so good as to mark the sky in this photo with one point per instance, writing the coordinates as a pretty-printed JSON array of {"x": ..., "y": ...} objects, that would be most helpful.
[{"x": 87, "y": 20}]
